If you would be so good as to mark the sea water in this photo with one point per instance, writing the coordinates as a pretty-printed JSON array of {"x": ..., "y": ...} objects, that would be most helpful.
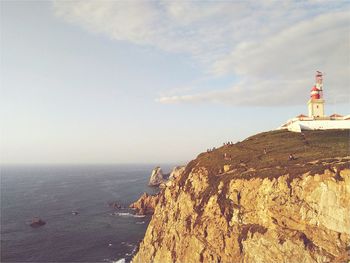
[{"x": 98, "y": 233}]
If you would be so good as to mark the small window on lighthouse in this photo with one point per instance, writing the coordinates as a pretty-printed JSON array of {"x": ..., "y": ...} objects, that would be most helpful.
[{"x": 317, "y": 106}]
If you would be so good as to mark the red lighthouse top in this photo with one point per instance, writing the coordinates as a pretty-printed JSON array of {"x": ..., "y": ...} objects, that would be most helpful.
[{"x": 315, "y": 93}]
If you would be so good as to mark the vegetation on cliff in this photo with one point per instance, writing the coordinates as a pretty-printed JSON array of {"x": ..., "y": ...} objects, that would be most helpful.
[
  {"x": 249, "y": 202},
  {"x": 248, "y": 156}
]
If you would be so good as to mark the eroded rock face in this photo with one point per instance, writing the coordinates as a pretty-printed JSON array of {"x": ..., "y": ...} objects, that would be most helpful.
[
  {"x": 146, "y": 204},
  {"x": 210, "y": 218},
  {"x": 157, "y": 177},
  {"x": 176, "y": 172}
]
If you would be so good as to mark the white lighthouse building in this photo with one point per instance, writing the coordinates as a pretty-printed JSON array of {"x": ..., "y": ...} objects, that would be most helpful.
[
  {"x": 316, "y": 101},
  {"x": 316, "y": 119}
]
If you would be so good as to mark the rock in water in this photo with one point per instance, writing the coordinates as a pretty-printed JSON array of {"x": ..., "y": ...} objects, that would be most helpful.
[
  {"x": 115, "y": 205},
  {"x": 37, "y": 222},
  {"x": 269, "y": 210},
  {"x": 157, "y": 177}
]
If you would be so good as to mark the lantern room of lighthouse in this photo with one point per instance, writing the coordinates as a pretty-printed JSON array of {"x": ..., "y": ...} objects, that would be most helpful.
[{"x": 316, "y": 101}]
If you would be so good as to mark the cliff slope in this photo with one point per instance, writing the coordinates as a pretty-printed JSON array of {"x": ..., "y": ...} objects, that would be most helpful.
[{"x": 248, "y": 202}]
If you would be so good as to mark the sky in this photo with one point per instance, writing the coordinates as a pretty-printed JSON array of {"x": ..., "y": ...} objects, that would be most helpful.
[{"x": 95, "y": 82}]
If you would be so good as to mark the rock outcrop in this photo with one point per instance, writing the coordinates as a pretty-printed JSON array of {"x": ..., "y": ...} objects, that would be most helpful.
[
  {"x": 146, "y": 204},
  {"x": 157, "y": 177},
  {"x": 176, "y": 172},
  {"x": 260, "y": 207},
  {"x": 37, "y": 222},
  {"x": 115, "y": 205}
]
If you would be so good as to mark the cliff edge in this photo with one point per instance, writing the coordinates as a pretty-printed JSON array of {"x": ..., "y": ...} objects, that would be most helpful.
[{"x": 250, "y": 202}]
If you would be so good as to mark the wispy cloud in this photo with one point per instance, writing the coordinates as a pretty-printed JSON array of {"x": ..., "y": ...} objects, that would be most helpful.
[{"x": 272, "y": 49}]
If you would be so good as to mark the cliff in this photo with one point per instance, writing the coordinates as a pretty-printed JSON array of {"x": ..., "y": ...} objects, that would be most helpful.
[
  {"x": 176, "y": 172},
  {"x": 248, "y": 202}
]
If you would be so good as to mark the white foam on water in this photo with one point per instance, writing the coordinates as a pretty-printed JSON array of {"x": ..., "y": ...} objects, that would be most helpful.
[
  {"x": 127, "y": 214},
  {"x": 139, "y": 216},
  {"x": 123, "y": 214}
]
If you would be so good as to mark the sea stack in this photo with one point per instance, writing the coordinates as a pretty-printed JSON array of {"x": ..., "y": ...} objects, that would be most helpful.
[{"x": 157, "y": 177}]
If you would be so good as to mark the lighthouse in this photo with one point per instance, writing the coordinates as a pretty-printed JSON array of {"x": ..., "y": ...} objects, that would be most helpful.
[
  {"x": 316, "y": 119},
  {"x": 316, "y": 101}
]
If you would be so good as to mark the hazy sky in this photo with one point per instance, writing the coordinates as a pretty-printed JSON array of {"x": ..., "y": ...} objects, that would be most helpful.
[{"x": 154, "y": 82}]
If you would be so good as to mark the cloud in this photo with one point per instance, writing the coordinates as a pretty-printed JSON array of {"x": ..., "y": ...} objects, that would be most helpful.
[
  {"x": 279, "y": 70},
  {"x": 272, "y": 50},
  {"x": 243, "y": 94},
  {"x": 193, "y": 28}
]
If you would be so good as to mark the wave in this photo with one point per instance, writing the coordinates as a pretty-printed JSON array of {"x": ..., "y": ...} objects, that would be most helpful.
[
  {"x": 141, "y": 216},
  {"x": 128, "y": 215}
]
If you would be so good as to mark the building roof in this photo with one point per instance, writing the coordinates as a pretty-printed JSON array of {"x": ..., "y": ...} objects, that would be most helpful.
[
  {"x": 301, "y": 116},
  {"x": 336, "y": 115}
]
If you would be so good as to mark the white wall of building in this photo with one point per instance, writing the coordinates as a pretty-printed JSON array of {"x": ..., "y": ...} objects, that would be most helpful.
[
  {"x": 316, "y": 108},
  {"x": 298, "y": 126}
]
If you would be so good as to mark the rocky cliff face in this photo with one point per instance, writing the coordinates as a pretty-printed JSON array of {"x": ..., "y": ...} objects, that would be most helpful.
[
  {"x": 261, "y": 207},
  {"x": 176, "y": 172}
]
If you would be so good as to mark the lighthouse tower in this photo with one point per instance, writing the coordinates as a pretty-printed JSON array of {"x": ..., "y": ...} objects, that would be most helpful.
[{"x": 316, "y": 101}]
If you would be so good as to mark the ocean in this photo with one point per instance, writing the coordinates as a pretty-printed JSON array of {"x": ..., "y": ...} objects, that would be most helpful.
[{"x": 98, "y": 233}]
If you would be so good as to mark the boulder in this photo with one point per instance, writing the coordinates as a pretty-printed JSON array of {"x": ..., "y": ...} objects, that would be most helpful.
[
  {"x": 37, "y": 222},
  {"x": 227, "y": 168}
]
